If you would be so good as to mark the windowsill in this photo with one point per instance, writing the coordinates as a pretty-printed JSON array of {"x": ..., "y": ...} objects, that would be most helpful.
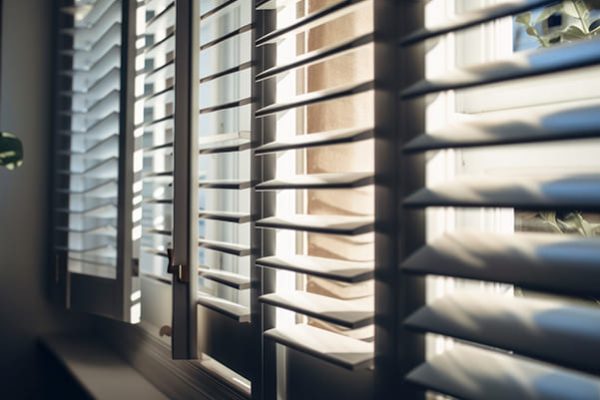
[{"x": 99, "y": 370}]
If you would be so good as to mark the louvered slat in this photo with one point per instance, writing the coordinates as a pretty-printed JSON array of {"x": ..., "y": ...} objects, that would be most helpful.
[
  {"x": 158, "y": 147},
  {"x": 103, "y": 211},
  {"x": 475, "y": 17},
  {"x": 102, "y": 148},
  {"x": 577, "y": 191},
  {"x": 96, "y": 249},
  {"x": 339, "y": 270},
  {"x": 320, "y": 55},
  {"x": 159, "y": 175},
  {"x": 315, "y": 140},
  {"x": 162, "y": 41},
  {"x": 225, "y": 106},
  {"x": 226, "y": 216},
  {"x": 552, "y": 123},
  {"x": 331, "y": 224},
  {"x": 98, "y": 230},
  {"x": 325, "y": 14},
  {"x": 102, "y": 169},
  {"x": 156, "y": 252},
  {"x": 160, "y": 14},
  {"x": 344, "y": 313},
  {"x": 554, "y": 263},
  {"x": 225, "y": 184},
  {"x": 217, "y": 8},
  {"x": 224, "y": 307},
  {"x": 319, "y": 181},
  {"x": 270, "y": 4},
  {"x": 225, "y": 247},
  {"x": 103, "y": 38},
  {"x": 224, "y": 72},
  {"x": 226, "y": 36},
  {"x": 225, "y": 146},
  {"x": 521, "y": 65},
  {"x": 159, "y": 231},
  {"x": 542, "y": 329},
  {"x": 339, "y": 350},
  {"x": 105, "y": 189},
  {"x": 236, "y": 281},
  {"x": 315, "y": 97},
  {"x": 158, "y": 201},
  {"x": 470, "y": 373}
]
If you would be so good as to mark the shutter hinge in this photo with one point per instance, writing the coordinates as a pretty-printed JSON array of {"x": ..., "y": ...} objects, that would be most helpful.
[{"x": 177, "y": 269}]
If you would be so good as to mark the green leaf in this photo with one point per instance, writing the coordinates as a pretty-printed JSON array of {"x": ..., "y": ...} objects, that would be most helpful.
[
  {"x": 524, "y": 18},
  {"x": 11, "y": 151},
  {"x": 549, "y": 217},
  {"x": 572, "y": 33},
  {"x": 581, "y": 9},
  {"x": 576, "y": 8},
  {"x": 547, "y": 12}
]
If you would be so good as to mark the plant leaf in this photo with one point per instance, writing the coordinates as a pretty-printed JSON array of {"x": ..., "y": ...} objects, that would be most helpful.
[
  {"x": 572, "y": 33},
  {"x": 524, "y": 18},
  {"x": 574, "y": 8},
  {"x": 547, "y": 12},
  {"x": 11, "y": 151}
]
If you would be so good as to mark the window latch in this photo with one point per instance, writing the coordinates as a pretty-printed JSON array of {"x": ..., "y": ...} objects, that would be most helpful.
[{"x": 177, "y": 269}]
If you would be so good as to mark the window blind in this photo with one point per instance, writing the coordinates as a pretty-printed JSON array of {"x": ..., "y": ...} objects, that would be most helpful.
[
  {"x": 225, "y": 61},
  {"x": 92, "y": 159},
  {"x": 166, "y": 29},
  {"x": 223, "y": 182},
  {"x": 533, "y": 167},
  {"x": 316, "y": 149},
  {"x": 156, "y": 130}
]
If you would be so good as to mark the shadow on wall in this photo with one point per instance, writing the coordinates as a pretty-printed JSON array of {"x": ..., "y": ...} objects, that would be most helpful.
[{"x": 25, "y": 313}]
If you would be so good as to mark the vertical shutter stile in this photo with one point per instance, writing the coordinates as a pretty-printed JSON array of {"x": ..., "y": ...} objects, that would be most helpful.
[
  {"x": 543, "y": 342},
  {"x": 185, "y": 232}
]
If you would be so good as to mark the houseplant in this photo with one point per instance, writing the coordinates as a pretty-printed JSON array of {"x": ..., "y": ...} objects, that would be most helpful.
[
  {"x": 11, "y": 151},
  {"x": 567, "y": 21}
]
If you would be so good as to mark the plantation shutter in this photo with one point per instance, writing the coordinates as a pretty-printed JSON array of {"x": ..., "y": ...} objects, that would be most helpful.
[
  {"x": 332, "y": 185},
  {"x": 168, "y": 170},
  {"x": 542, "y": 342},
  {"x": 224, "y": 143},
  {"x": 222, "y": 212},
  {"x": 93, "y": 245}
]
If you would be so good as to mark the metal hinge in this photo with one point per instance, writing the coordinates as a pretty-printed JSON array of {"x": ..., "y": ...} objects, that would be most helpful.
[{"x": 177, "y": 269}]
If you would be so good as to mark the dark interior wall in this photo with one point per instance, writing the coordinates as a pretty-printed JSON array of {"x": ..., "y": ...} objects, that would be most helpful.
[{"x": 25, "y": 312}]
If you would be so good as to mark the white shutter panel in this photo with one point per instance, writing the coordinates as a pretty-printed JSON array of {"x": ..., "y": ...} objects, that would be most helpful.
[
  {"x": 94, "y": 168},
  {"x": 537, "y": 343}
]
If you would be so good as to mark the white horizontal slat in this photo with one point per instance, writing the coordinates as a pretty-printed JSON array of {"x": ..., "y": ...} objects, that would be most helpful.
[
  {"x": 337, "y": 349},
  {"x": 473, "y": 374},
  {"x": 224, "y": 307},
  {"x": 350, "y": 314},
  {"x": 544, "y": 329},
  {"x": 340, "y": 270}
]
